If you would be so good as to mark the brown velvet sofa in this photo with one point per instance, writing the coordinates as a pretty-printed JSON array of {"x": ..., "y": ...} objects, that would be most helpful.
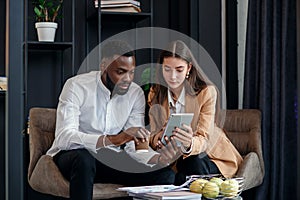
[{"x": 242, "y": 126}]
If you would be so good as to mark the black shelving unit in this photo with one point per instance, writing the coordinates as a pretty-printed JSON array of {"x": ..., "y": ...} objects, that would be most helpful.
[
  {"x": 35, "y": 45},
  {"x": 47, "y": 65},
  {"x": 102, "y": 25}
]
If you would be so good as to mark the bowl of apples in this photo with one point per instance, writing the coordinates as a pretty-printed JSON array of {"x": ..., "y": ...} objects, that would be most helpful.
[{"x": 216, "y": 186}]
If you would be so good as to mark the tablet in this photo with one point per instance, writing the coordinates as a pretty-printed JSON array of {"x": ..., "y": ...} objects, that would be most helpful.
[{"x": 176, "y": 120}]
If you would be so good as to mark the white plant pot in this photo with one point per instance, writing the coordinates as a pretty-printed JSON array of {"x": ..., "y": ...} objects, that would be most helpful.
[{"x": 46, "y": 31}]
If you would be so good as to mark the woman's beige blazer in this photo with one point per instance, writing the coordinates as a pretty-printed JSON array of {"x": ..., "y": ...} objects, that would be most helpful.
[{"x": 207, "y": 136}]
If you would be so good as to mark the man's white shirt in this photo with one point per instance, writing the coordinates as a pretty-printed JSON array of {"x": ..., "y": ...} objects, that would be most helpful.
[{"x": 85, "y": 111}]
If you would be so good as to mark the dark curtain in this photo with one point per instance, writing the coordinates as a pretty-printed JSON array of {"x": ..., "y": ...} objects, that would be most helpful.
[{"x": 270, "y": 85}]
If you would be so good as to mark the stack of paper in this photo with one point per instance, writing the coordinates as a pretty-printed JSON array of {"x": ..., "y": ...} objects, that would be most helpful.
[
  {"x": 119, "y": 5},
  {"x": 172, "y": 195},
  {"x": 160, "y": 192}
]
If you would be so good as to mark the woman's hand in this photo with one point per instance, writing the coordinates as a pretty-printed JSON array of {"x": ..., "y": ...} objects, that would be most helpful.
[{"x": 183, "y": 135}]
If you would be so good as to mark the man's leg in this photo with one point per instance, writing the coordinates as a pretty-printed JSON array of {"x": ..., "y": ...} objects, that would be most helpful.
[
  {"x": 164, "y": 176},
  {"x": 77, "y": 166},
  {"x": 106, "y": 174},
  {"x": 194, "y": 165},
  {"x": 120, "y": 168}
]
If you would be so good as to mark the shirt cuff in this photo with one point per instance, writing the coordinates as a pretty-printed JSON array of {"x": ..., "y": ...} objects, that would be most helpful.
[
  {"x": 187, "y": 151},
  {"x": 106, "y": 144},
  {"x": 90, "y": 141}
]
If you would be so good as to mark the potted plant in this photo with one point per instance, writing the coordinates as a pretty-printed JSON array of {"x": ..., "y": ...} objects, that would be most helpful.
[{"x": 46, "y": 13}]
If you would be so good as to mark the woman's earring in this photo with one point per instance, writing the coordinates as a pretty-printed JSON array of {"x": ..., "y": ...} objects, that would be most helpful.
[{"x": 187, "y": 75}]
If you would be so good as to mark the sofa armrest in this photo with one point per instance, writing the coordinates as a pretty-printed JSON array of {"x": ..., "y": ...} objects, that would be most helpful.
[
  {"x": 41, "y": 134},
  {"x": 251, "y": 170},
  {"x": 46, "y": 178}
]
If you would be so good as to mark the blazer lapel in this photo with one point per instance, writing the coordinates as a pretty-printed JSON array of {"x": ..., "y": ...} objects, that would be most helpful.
[{"x": 192, "y": 106}]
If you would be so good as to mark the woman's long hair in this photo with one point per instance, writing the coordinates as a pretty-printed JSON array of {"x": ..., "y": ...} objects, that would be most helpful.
[{"x": 194, "y": 84}]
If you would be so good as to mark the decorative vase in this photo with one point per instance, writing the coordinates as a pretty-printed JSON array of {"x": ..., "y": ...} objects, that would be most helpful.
[{"x": 46, "y": 31}]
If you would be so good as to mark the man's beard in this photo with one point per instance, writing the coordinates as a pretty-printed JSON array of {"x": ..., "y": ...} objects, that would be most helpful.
[{"x": 114, "y": 88}]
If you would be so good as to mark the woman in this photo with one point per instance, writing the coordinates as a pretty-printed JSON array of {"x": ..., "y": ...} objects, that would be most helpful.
[{"x": 182, "y": 87}]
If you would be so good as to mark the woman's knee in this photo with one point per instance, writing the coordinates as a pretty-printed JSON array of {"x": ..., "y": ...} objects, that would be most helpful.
[{"x": 195, "y": 165}]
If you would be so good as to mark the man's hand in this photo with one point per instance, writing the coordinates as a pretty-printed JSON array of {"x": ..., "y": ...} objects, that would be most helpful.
[
  {"x": 169, "y": 153},
  {"x": 134, "y": 133},
  {"x": 138, "y": 134}
]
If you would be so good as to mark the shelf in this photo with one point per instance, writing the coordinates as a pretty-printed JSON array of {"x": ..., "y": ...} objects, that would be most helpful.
[
  {"x": 125, "y": 16},
  {"x": 35, "y": 45},
  {"x": 120, "y": 16},
  {"x": 140, "y": 14}
]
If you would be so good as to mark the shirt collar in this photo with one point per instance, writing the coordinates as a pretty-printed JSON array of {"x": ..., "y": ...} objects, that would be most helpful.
[
  {"x": 101, "y": 84},
  {"x": 180, "y": 100}
]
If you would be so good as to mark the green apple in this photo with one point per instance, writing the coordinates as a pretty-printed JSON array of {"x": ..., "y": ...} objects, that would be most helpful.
[
  {"x": 210, "y": 190},
  {"x": 216, "y": 180},
  {"x": 229, "y": 187},
  {"x": 197, "y": 185}
]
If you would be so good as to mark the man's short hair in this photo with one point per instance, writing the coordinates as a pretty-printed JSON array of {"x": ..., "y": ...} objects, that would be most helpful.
[{"x": 116, "y": 47}]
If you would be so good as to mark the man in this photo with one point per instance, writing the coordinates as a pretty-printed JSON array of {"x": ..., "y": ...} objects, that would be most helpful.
[{"x": 100, "y": 111}]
